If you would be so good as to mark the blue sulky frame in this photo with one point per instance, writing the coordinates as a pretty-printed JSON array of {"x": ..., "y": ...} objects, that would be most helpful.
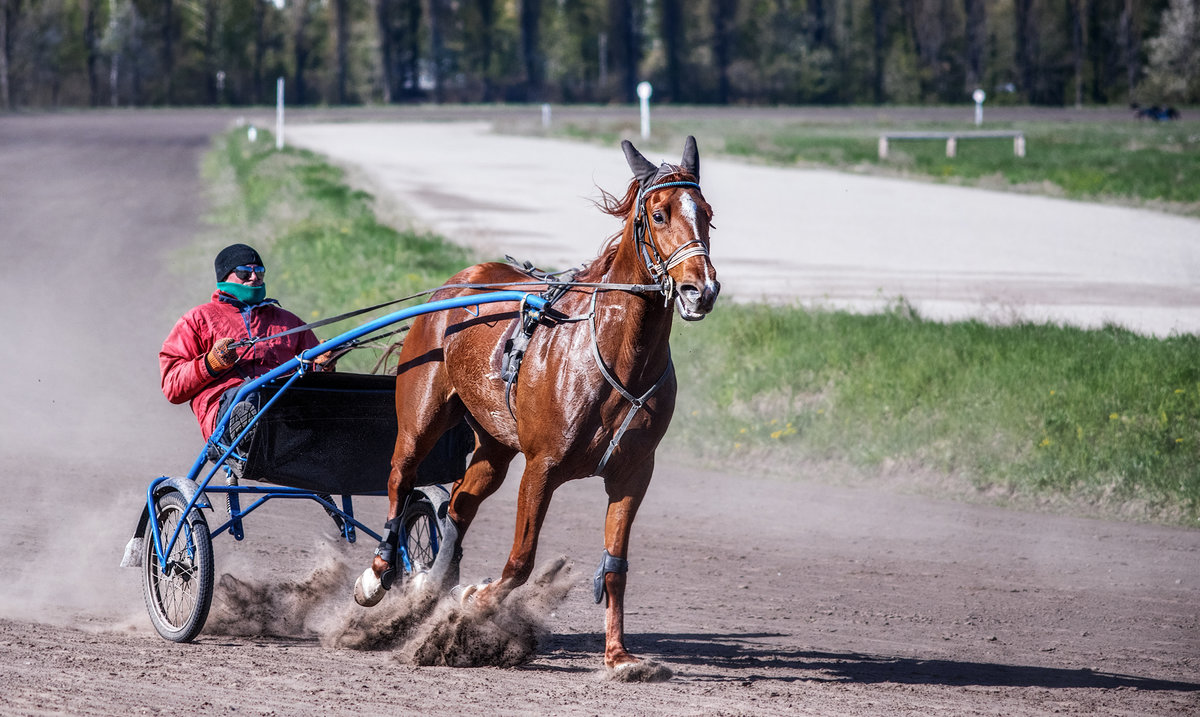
[{"x": 194, "y": 488}]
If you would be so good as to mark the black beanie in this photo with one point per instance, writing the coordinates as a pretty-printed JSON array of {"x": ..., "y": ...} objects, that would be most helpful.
[{"x": 233, "y": 256}]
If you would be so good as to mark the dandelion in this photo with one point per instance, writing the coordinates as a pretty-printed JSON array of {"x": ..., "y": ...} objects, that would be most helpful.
[
  {"x": 737, "y": 445},
  {"x": 1179, "y": 440},
  {"x": 1179, "y": 391},
  {"x": 743, "y": 430},
  {"x": 1052, "y": 392},
  {"x": 1045, "y": 442},
  {"x": 1113, "y": 416},
  {"x": 777, "y": 434}
]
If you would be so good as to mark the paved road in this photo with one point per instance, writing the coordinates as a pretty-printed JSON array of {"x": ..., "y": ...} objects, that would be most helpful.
[{"x": 817, "y": 236}]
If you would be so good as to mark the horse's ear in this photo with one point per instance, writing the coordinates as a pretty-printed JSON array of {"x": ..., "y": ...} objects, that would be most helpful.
[
  {"x": 691, "y": 157},
  {"x": 643, "y": 171}
]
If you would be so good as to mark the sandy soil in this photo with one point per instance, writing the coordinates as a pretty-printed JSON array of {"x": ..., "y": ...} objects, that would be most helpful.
[{"x": 763, "y": 597}]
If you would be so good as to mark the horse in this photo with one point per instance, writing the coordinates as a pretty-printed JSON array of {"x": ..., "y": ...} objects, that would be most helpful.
[{"x": 593, "y": 395}]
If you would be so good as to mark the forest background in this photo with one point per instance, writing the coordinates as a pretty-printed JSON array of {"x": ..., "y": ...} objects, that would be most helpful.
[{"x": 336, "y": 52}]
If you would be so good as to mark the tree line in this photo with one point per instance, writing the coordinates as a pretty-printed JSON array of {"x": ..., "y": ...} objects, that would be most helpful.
[{"x": 335, "y": 52}]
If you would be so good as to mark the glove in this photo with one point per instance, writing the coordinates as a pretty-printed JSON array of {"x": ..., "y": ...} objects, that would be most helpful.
[{"x": 220, "y": 357}]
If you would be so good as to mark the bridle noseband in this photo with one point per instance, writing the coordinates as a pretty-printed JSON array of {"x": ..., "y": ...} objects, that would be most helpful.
[{"x": 647, "y": 247}]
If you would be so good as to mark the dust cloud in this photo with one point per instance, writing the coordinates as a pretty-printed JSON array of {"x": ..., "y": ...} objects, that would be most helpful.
[{"x": 418, "y": 628}]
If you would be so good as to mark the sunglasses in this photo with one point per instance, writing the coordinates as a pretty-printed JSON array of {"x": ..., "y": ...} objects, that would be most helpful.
[{"x": 244, "y": 272}]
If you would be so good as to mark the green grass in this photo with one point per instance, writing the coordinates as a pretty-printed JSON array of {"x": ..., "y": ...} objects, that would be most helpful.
[
  {"x": 1130, "y": 162},
  {"x": 1105, "y": 419},
  {"x": 1105, "y": 416}
]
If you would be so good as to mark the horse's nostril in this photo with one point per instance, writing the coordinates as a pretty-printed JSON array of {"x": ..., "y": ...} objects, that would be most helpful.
[{"x": 689, "y": 291}]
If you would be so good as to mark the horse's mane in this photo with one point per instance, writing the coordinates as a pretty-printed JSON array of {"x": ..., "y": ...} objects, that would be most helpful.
[{"x": 622, "y": 209}]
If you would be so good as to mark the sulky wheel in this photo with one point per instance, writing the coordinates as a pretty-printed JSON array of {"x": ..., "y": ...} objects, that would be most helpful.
[
  {"x": 178, "y": 597},
  {"x": 420, "y": 534}
]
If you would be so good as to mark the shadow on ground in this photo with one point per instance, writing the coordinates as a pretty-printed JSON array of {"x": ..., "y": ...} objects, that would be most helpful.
[{"x": 743, "y": 658}]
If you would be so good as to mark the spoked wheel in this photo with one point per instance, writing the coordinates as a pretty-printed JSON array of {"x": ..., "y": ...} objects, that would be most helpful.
[
  {"x": 179, "y": 596},
  {"x": 420, "y": 534}
]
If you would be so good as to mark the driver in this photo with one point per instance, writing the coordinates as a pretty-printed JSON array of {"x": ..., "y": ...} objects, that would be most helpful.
[{"x": 197, "y": 362}]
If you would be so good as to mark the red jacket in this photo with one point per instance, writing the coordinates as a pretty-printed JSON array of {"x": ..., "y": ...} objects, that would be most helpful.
[{"x": 185, "y": 375}]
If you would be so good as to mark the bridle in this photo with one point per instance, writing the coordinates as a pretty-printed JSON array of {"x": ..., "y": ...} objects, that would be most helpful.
[{"x": 647, "y": 247}]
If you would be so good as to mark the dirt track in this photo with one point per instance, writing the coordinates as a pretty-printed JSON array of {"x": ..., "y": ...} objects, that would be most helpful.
[{"x": 763, "y": 597}]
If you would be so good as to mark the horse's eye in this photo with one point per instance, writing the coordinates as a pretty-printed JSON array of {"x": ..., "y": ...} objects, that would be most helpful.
[{"x": 658, "y": 218}]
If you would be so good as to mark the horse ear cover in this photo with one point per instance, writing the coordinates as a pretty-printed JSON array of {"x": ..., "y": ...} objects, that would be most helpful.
[
  {"x": 691, "y": 157},
  {"x": 643, "y": 170}
]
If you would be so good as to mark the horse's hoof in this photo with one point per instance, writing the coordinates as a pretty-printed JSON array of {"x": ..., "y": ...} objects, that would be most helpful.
[
  {"x": 368, "y": 589},
  {"x": 466, "y": 594}
]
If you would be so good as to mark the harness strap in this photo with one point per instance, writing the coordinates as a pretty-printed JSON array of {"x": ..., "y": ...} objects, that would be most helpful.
[{"x": 636, "y": 401}]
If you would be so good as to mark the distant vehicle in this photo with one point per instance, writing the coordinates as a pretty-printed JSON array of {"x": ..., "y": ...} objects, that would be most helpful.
[{"x": 1154, "y": 112}]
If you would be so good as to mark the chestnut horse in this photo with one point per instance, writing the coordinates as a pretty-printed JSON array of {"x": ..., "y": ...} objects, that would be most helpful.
[{"x": 593, "y": 396}]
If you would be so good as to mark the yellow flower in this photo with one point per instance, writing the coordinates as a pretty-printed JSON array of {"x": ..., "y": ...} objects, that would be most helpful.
[
  {"x": 1179, "y": 440},
  {"x": 1051, "y": 392},
  {"x": 1113, "y": 416},
  {"x": 1179, "y": 390},
  {"x": 777, "y": 434},
  {"x": 742, "y": 431},
  {"x": 737, "y": 445},
  {"x": 1045, "y": 442}
]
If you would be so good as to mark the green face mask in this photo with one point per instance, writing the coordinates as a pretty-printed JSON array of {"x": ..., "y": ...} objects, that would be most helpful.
[{"x": 242, "y": 292}]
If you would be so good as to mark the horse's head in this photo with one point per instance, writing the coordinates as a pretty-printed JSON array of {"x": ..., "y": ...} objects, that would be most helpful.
[{"x": 670, "y": 228}]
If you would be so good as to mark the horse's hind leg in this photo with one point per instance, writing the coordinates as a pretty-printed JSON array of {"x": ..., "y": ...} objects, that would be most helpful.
[{"x": 533, "y": 499}]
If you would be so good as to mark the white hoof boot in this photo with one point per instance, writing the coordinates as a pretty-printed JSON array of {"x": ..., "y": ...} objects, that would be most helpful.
[
  {"x": 368, "y": 590},
  {"x": 466, "y": 594}
]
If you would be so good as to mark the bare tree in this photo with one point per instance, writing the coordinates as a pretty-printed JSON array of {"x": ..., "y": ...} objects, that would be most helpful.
[
  {"x": 724, "y": 17},
  {"x": 879, "y": 48},
  {"x": 1025, "y": 29},
  {"x": 1076, "y": 10},
  {"x": 624, "y": 44},
  {"x": 341, "y": 12},
  {"x": 976, "y": 11},
  {"x": 671, "y": 30},
  {"x": 1131, "y": 33},
  {"x": 168, "y": 50},
  {"x": 5, "y": 100},
  {"x": 531, "y": 50}
]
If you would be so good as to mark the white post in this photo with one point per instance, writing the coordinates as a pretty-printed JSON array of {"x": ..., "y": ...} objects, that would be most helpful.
[
  {"x": 546, "y": 116},
  {"x": 644, "y": 90},
  {"x": 951, "y": 146},
  {"x": 279, "y": 113},
  {"x": 883, "y": 146},
  {"x": 1019, "y": 145},
  {"x": 979, "y": 96}
]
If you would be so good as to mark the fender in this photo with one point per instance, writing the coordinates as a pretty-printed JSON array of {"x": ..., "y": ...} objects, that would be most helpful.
[{"x": 187, "y": 488}]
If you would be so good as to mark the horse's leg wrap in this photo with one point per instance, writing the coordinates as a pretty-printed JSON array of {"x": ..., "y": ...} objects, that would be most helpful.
[
  {"x": 387, "y": 551},
  {"x": 609, "y": 564}
]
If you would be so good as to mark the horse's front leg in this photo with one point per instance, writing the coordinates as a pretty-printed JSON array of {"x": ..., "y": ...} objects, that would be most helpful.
[
  {"x": 624, "y": 496},
  {"x": 376, "y": 580}
]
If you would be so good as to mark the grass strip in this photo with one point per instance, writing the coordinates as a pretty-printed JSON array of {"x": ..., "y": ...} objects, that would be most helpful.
[
  {"x": 1094, "y": 418},
  {"x": 1103, "y": 418}
]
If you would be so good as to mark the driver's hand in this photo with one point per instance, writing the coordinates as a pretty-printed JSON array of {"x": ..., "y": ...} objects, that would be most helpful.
[{"x": 221, "y": 357}]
